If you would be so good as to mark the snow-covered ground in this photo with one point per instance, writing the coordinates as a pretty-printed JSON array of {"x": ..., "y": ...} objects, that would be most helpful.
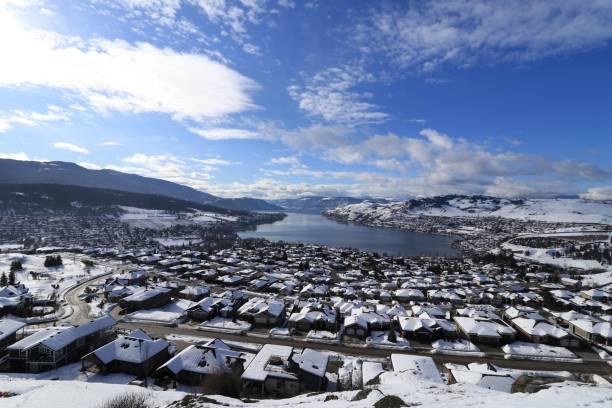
[
  {"x": 76, "y": 394},
  {"x": 62, "y": 277},
  {"x": 177, "y": 242},
  {"x": 548, "y": 210},
  {"x": 160, "y": 219},
  {"x": 524, "y": 350}
]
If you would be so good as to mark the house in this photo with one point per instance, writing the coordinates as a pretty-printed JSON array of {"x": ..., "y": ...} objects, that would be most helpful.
[
  {"x": 406, "y": 295},
  {"x": 538, "y": 330},
  {"x": 311, "y": 367},
  {"x": 138, "y": 277},
  {"x": 263, "y": 311},
  {"x": 362, "y": 322},
  {"x": 54, "y": 347},
  {"x": 426, "y": 328},
  {"x": 192, "y": 365},
  {"x": 278, "y": 371},
  {"x": 146, "y": 299},
  {"x": 269, "y": 373},
  {"x": 593, "y": 330},
  {"x": 8, "y": 332},
  {"x": 135, "y": 353},
  {"x": 194, "y": 293},
  {"x": 314, "y": 316},
  {"x": 481, "y": 330}
]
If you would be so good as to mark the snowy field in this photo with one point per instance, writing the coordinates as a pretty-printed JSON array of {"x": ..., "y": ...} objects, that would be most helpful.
[
  {"x": 160, "y": 219},
  {"x": 42, "y": 282}
]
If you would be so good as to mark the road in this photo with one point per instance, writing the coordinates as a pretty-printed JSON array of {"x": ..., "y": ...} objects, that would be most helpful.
[
  {"x": 588, "y": 366},
  {"x": 80, "y": 308}
]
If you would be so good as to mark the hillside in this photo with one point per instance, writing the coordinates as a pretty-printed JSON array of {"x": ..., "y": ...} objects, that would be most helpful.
[
  {"x": 318, "y": 204},
  {"x": 32, "y": 172},
  {"x": 548, "y": 210},
  {"x": 393, "y": 388},
  {"x": 30, "y": 198}
]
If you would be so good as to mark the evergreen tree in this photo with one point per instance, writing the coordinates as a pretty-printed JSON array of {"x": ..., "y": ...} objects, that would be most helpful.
[
  {"x": 16, "y": 265},
  {"x": 3, "y": 280},
  {"x": 11, "y": 278}
]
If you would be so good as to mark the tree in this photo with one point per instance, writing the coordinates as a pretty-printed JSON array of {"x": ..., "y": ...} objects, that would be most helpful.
[
  {"x": 11, "y": 277},
  {"x": 3, "y": 280},
  {"x": 16, "y": 265},
  {"x": 53, "y": 260},
  {"x": 392, "y": 337}
]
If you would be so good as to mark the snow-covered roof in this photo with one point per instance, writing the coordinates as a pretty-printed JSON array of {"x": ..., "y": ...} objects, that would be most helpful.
[
  {"x": 210, "y": 357},
  {"x": 56, "y": 338},
  {"x": 271, "y": 360},
  {"x": 482, "y": 327},
  {"x": 535, "y": 327},
  {"x": 311, "y": 361},
  {"x": 130, "y": 349},
  {"x": 9, "y": 327},
  {"x": 420, "y": 366}
]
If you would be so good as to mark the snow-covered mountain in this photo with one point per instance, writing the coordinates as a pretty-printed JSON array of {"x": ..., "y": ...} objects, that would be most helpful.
[
  {"x": 546, "y": 209},
  {"x": 318, "y": 204}
]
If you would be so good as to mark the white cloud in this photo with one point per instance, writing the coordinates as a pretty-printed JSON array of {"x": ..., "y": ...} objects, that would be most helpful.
[
  {"x": 110, "y": 143},
  {"x": 426, "y": 35},
  {"x": 4, "y": 125},
  {"x": 14, "y": 156},
  {"x": 70, "y": 147},
  {"x": 117, "y": 75},
  {"x": 283, "y": 160},
  {"x": 226, "y": 133},
  {"x": 330, "y": 95},
  {"x": 90, "y": 166},
  {"x": 32, "y": 118},
  {"x": 598, "y": 193},
  {"x": 214, "y": 162}
]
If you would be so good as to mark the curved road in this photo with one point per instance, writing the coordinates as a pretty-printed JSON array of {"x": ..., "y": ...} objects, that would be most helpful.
[{"x": 80, "y": 308}]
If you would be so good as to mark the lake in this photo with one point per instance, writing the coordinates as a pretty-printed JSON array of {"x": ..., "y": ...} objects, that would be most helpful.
[{"x": 316, "y": 229}]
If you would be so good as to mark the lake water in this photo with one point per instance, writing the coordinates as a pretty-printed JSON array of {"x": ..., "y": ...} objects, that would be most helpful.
[{"x": 316, "y": 229}]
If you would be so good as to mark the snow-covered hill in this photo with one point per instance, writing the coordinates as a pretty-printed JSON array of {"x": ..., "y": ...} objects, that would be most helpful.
[
  {"x": 318, "y": 204},
  {"x": 571, "y": 210}
]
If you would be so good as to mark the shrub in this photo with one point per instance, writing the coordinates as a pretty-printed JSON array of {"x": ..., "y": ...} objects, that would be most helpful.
[
  {"x": 390, "y": 401},
  {"x": 129, "y": 400}
]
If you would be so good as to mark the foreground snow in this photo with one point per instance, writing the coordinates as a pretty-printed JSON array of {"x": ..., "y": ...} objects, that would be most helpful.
[{"x": 75, "y": 394}]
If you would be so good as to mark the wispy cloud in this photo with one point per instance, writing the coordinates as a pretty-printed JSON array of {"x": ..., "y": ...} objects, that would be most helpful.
[
  {"x": 426, "y": 35},
  {"x": 331, "y": 95},
  {"x": 70, "y": 147}
]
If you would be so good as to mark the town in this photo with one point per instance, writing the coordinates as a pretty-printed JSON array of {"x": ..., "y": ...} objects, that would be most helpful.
[{"x": 272, "y": 320}]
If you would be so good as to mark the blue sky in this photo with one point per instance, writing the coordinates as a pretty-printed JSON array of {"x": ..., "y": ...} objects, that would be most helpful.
[{"x": 281, "y": 98}]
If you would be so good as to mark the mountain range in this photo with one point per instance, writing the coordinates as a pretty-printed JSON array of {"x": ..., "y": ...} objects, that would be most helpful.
[
  {"x": 319, "y": 204},
  {"x": 56, "y": 172},
  {"x": 541, "y": 209}
]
